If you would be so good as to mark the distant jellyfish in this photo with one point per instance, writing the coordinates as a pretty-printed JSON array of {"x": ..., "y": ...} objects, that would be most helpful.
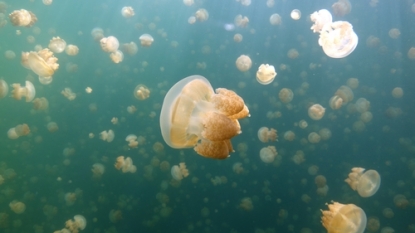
[
  {"x": 4, "y": 88},
  {"x": 57, "y": 45},
  {"x": 325, "y": 134},
  {"x": 28, "y": 91},
  {"x": 178, "y": 172},
  {"x": 345, "y": 93},
  {"x": 293, "y": 53},
  {"x": 373, "y": 224},
  {"x": 341, "y": 7},
  {"x": 107, "y": 136},
  {"x": 338, "y": 39},
  {"x": 72, "y": 50},
  {"x": 115, "y": 216},
  {"x": 243, "y": 63},
  {"x": 43, "y": 62},
  {"x": 109, "y": 44},
  {"x": 320, "y": 18},
  {"x": 125, "y": 164},
  {"x": 353, "y": 83},
  {"x": 237, "y": 38},
  {"x": 117, "y": 56},
  {"x": 10, "y": 55},
  {"x": 268, "y": 154},
  {"x": 397, "y": 92},
  {"x": 132, "y": 140},
  {"x": 286, "y": 95},
  {"x": 411, "y": 53},
  {"x": 129, "y": 48},
  {"x": 394, "y": 33},
  {"x": 246, "y": 204},
  {"x": 275, "y": 19},
  {"x": 17, "y": 207},
  {"x": 146, "y": 40},
  {"x": 52, "y": 127},
  {"x": 22, "y": 18},
  {"x": 265, "y": 134},
  {"x": 97, "y": 34},
  {"x": 316, "y": 111},
  {"x": 79, "y": 223},
  {"x": 201, "y": 15},
  {"x": 289, "y": 135},
  {"x": 241, "y": 21},
  {"x": 191, "y": 20},
  {"x": 265, "y": 74},
  {"x": 295, "y": 14},
  {"x": 19, "y": 130},
  {"x": 314, "y": 137},
  {"x": 141, "y": 92},
  {"x": 47, "y": 2},
  {"x": 67, "y": 92},
  {"x": 127, "y": 12},
  {"x": 193, "y": 115},
  {"x": 70, "y": 198},
  {"x": 344, "y": 218},
  {"x": 335, "y": 102},
  {"x": 188, "y": 2},
  {"x": 366, "y": 184},
  {"x": 97, "y": 170}
]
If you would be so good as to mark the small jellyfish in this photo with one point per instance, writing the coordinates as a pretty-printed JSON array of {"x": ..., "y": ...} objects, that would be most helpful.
[
  {"x": 179, "y": 172},
  {"x": 47, "y": 2},
  {"x": 57, "y": 45},
  {"x": 40, "y": 104},
  {"x": 289, "y": 135},
  {"x": 146, "y": 40},
  {"x": 117, "y": 56},
  {"x": 129, "y": 48},
  {"x": 28, "y": 91},
  {"x": 109, "y": 44},
  {"x": 17, "y": 207},
  {"x": 132, "y": 141},
  {"x": 141, "y": 92},
  {"x": 4, "y": 88},
  {"x": 320, "y": 18},
  {"x": 115, "y": 216},
  {"x": 265, "y": 134},
  {"x": 397, "y": 92},
  {"x": 243, "y": 63},
  {"x": 411, "y": 53},
  {"x": 241, "y": 21},
  {"x": 188, "y": 2},
  {"x": 193, "y": 115},
  {"x": 237, "y": 38},
  {"x": 335, "y": 102},
  {"x": 275, "y": 19},
  {"x": 97, "y": 34},
  {"x": 286, "y": 95},
  {"x": 341, "y": 7},
  {"x": 19, "y": 130},
  {"x": 343, "y": 218},
  {"x": 338, "y": 39},
  {"x": 72, "y": 50},
  {"x": 23, "y": 18},
  {"x": 79, "y": 223},
  {"x": 316, "y": 112},
  {"x": 246, "y": 204},
  {"x": 107, "y": 136},
  {"x": 10, "y": 55},
  {"x": 52, "y": 127},
  {"x": 97, "y": 170},
  {"x": 314, "y": 137},
  {"x": 366, "y": 184},
  {"x": 125, "y": 165},
  {"x": 67, "y": 92},
  {"x": 127, "y": 12},
  {"x": 295, "y": 14},
  {"x": 265, "y": 74},
  {"x": 345, "y": 93},
  {"x": 268, "y": 154},
  {"x": 202, "y": 15}
]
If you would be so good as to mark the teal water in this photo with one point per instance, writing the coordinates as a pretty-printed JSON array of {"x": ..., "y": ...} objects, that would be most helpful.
[{"x": 149, "y": 200}]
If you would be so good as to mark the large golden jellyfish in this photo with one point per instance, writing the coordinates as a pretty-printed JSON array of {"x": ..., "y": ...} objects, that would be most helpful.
[
  {"x": 4, "y": 89},
  {"x": 265, "y": 74},
  {"x": 27, "y": 91},
  {"x": 22, "y": 18},
  {"x": 193, "y": 115},
  {"x": 338, "y": 39},
  {"x": 43, "y": 63},
  {"x": 366, "y": 184},
  {"x": 342, "y": 218}
]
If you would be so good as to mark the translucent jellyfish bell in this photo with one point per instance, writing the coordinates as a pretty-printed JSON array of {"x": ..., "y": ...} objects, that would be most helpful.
[
  {"x": 342, "y": 218},
  {"x": 366, "y": 184},
  {"x": 338, "y": 39}
]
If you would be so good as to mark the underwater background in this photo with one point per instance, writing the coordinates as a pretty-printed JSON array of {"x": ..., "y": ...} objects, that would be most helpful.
[{"x": 39, "y": 169}]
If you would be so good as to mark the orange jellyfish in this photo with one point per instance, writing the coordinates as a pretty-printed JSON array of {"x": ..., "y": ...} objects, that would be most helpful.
[
  {"x": 109, "y": 44},
  {"x": 286, "y": 95},
  {"x": 265, "y": 134},
  {"x": 17, "y": 207},
  {"x": 27, "y": 91},
  {"x": 43, "y": 63},
  {"x": 343, "y": 218},
  {"x": 23, "y": 18},
  {"x": 193, "y": 115},
  {"x": 366, "y": 184}
]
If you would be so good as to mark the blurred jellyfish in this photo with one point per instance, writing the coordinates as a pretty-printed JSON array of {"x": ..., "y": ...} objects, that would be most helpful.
[
  {"x": 4, "y": 88},
  {"x": 241, "y": 21},
  {"x": 316, "y": 111},
  {"x": 286, "y": 95},
  {"x": 109, "y": 44},
  {"x": 127, "y": 12},
  {"x": 57, "y": 45},
  {"x": 52, "y": 127},
  {"x": 243, "y": 63},
  {"x": 341, "y": 7},
  {"x": 97, "y": 170},
  {"x": 201, "y": 15},
  {"x": 289, "y": 135},
  {"x": 67, "y": 92},
  {"x": 268, "y": 154},
  {"x": 141, "y": 92},
  {"x": 107, "y": 136},
  {"x": 22, "y": 18},
  {"x": 295, "y": 14},
  {"x": 397, "y": 92},
  {"x": 97, "y": 34},
  {"x": 265, "y": 134},
  {"x": 146, "y": 40},
  {"x": 320, "y": 18},
  {"x": 27, "y": 91},
  {"x": 17, "y": 207},
  {"x": 117, "y": 56},
  {"x": 275, "y": 19},
  {"x": 125, "y": 165},
  {"x": 246, "y": 204},
  {"x": 129, "y": 48},
  {"x": 72, "y": 50},
  {"x": 179, "y": 172}
]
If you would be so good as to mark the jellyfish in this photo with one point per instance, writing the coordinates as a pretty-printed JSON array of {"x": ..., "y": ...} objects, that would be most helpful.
[
  {"x": 237, "y": 38},
  {"x": 366, "y": 184},
  {"x": 188, "y": 2},
  {"x": 193, "y": 115},
  {"x": 115, "y": 216},
  {"x": 79, "y": 223},
  {"x": 97, "y": 34},
  {"x": 178, "y": 172},
  {"x": 373, "y": 224},
  {"x": 320, "y": 18},
  {"x": 268, "y": 154},
  {"x": 265, "y": 134},
  {"x": 23, "y": 18},
  {"x": 265, "y": 74},
  {"x": 70, "y": 198},
  {"x": 109, "y": 44},
  {"x": 4, "y": 88},
  {"x": 43, "y": 63},
  {"x": 325, "y": 134},
  {"x": 397, "y": 92},
  {"x": 343, "y": 218},
  {"x": 341, "y": 7},
  {"x": 141, "y": 92},
  {"x": 57, "y": 45},
  {"x": 335, "y": 102},
  {"x": 17, "y": 207},
  {"x": 275, "y": 19},
  {"x": 316, "y": 111},
  {"x": 28, "y": 91},
  {"x": 286, "y": 95},
  {"x": 246, "y": 204},
  {"x": 243, "y": 63},
  {"x": 289, "y": 135},
  {"x": 314, "y": 137},
  {"x": 97, "y": 170},
  {"x": 345, "y": 93},
  {"x": 127, "y": 12},
  {"x": 47, "y": 2},
  {"x": 338, "y": 39},
  {"x": 107, "y": 136},
  {"x": 72, "y": 50},
  {"x": 132, "y": 141},
  {"x": 241, "y": 21},
  {"x": 67, "y": 92},
  {"x": 146, "y": 40},
  {"x": 293, "y": 53},
  {"x": 40, "y": 104},
  {"x": 295, "y": 14},
  {"x": 125, "y": 164},
  {"x": 411, "y": 53},
  {"x": 117, "y": 56},
  {"x": 201, "y": 15},
  {"x": 52, "y": 127},
  {"x": 10, "y": 55},
  {"x": 129, "y": 48}
]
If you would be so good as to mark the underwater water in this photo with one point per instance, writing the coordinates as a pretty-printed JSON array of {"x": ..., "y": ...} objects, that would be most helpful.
[{"x": 56, "y": 170}]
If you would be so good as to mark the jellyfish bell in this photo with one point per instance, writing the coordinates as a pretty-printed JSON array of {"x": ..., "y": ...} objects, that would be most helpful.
[
  {"x": 193, "y": 115},
  {"x": 365, "y": 183},
  {"x": 80, "y": 221},
  {"x": 275, "y": 19},
  {"x": 28, "y": 91},
  {"x": 295, "y": 14},
  {"x": 4, "y": 88},
  {"x": 265, "y": 134},
  {"x": 127, "y": 12},
  {"x": 146, "y": 40},
  {"x": 141, "y": 92},
  {"x": 43, "y": 63},
  {"x": 22, "y": 18},
  {"x": 344, "y": 218},
  {"x": 72, "y": 50},
  {"x": 265, "y": 74},
  {"x": 17, "y": 207},
  {"x": 201, "y": 15},
  {"x": 57, "y": 45},
  {"x": 338, "y": 39},
  {"x": 109, "y": 44},
  {"x": 243, "y": 63},
  {"x": 316, "y": 112},
  {"x": 268, "y": 154},
  {"x": 117, "y": 56}
]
